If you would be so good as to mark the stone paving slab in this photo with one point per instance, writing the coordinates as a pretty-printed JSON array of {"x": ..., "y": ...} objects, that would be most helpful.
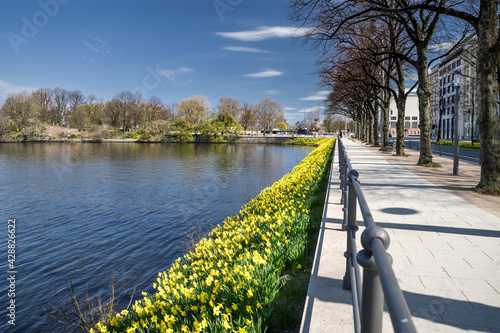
[{"x": 446, "y": 252}]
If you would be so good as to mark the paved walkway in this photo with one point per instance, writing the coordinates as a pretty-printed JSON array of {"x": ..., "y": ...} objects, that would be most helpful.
[{"x": 446, "y": 252}]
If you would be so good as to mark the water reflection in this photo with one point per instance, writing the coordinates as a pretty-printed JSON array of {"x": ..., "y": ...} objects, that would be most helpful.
[{"x": 111, "y": 209}]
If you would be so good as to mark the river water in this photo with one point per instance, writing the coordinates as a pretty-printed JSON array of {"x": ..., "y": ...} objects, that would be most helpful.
[{"x": 123, "y": 210}]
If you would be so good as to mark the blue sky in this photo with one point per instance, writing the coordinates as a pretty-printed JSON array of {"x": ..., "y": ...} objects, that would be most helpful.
[{"x": 172, "y": 49}]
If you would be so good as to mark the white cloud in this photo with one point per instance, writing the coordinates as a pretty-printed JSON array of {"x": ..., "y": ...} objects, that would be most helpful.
[
  {"x": 271, "y": 92},
  {"x": 299, "y": 113},
  {"x": 7, "y": 88},
  {"x": 313, "y": 109},
  {"x": 172, "y": 74},
  {"x": 264, "y": 32},
  {"x": 319, "y": 96},
  {"x": 244, "y": 49},
  {"x": 267, "y": 73},
  {"x": 445, "y": 46},
  {"x": 97, "y": 45}
]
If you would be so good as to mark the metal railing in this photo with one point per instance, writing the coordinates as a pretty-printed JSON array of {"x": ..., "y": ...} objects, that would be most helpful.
[{"x": 379, "y": 280}]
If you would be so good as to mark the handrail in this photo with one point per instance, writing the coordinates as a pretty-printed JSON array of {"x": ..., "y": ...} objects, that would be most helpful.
[{"x": 379, "y": 280}]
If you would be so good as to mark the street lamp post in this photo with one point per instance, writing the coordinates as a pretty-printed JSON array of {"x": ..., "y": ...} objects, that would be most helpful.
[{"x": 456, "y": 137}]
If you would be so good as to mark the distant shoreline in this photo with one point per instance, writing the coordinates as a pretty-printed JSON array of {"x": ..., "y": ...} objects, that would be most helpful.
[{"x": 274, "y": 139}]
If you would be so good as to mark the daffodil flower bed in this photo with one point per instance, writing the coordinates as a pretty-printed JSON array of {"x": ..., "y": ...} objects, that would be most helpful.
[
  {"x": 228, "y": 282},
  {"x": 306, "y": 141}
]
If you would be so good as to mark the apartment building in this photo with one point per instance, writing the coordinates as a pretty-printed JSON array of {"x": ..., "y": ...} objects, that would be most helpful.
[
  {"x": 448, "y": 101},
  {"x": 412, "y": 119},
  {"x": 435, "y": 89}
]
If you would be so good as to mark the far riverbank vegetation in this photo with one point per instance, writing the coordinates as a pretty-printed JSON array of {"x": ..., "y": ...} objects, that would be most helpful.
[{"x": 58, "y": 114}]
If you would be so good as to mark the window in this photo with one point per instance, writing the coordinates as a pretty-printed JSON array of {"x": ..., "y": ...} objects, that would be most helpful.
[
  {"x": 393, "y": 124},
  {"x": 414, "y": 118},
  {"x": 414, "y": 124},
  {"x": 393, "y": 118},
  {"x": 391, "y": 112},
  {"x": 407, "y": 118}
]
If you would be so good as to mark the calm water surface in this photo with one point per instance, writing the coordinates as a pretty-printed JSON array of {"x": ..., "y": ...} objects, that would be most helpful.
[{"x": 101, "y": 210}]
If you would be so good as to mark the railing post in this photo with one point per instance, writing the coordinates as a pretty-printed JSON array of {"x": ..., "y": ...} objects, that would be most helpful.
[
  {"x": 372, "y": 306},
  {"x": 340, "y": 153},
  {"x": 440, "y": 149},
  {"x": 341, "y": 163},
  {"x": 351, "y": 227},
  {"x": 344, "y": 200}
]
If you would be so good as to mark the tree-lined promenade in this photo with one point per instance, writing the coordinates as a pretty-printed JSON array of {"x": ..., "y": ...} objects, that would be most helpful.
[{"x": 370, "y": 50}]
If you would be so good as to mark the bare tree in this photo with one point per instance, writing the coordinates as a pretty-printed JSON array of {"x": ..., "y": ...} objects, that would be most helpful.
[
  {"x": 482, "y": 15},
  {"x": 75, "y": 99},
  {"x": 21, "y": 113},
  {"x": 138, "y": 111},
  {"x": 170, "y": 111},
  {"x": 247, "y": 117},
  {"x": 43, "y": 100},
  {"x": 125, "y": 101},
  {"x": 267, "y": 112},
  {"x": 229, "y": 105},
  {"x": 153, "y": 109},
  {"x": 60, "y": 102},
  {"x": 332, "y": 18}
]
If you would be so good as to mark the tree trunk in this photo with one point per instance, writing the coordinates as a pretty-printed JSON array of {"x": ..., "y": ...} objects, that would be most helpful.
[
  {"x": 365, "y": 128},
  {"x": 400, "y": 125},
  {"x": 385, "y": 124},
  {"x": 424, "y": 106},
  {"x": 375, "y": 128},
  {"x": 385, "y": 116},
  {"x": 370, "y": 127},
  {"x": 488, "y": 119}
]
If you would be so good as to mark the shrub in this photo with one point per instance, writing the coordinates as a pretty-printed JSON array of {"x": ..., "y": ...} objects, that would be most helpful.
[
  {"x": 469, "y": 145},
  {"x": 98, "y": 133},
  {"x": 182, "y": 136}
]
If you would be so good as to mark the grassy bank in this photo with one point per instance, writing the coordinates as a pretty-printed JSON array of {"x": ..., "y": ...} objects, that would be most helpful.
[{"x": 231, "y": 280}]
